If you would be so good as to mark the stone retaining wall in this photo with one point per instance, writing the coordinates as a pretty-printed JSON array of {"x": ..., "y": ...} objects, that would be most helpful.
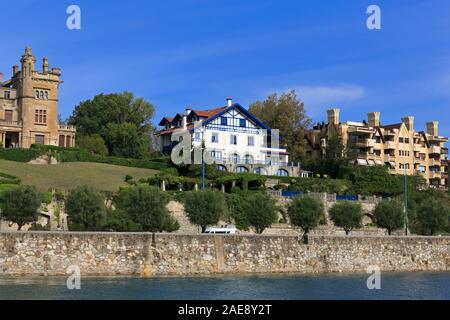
[{"x": 146, "y": 254}]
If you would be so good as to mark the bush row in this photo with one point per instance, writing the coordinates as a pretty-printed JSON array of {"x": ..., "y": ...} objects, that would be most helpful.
[
  {"x": 20, "y": 155},
  {"x": 8, "y": 179}
]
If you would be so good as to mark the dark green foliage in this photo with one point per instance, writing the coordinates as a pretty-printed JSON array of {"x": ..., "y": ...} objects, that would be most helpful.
[
  {"x": 237, "y": 213},
  {"x": 260, "y": 211},
  {"x": 205, "y": 208},
  {"x": 119, "y": 221},
  {"x": 432, "y": 216},
  {"x": 123, "y": 121},
  {"x": 92, "y": 144},
  {"x": 46, "y": 197},
  {"x": 146, "y": 206},
  {"x": 306, "y": 213},
  {"x": 20, "y": 155},
  {"x": 347, "y": 215},
  {"x": 8, "y": 179},
  {"x": 85, "y": 208},
  {"x": 20, "y": 205},
  {"x": 389, "y": 215}
]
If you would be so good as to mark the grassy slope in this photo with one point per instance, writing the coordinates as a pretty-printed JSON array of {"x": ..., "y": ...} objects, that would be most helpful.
[{"x": 66, "y": 176}]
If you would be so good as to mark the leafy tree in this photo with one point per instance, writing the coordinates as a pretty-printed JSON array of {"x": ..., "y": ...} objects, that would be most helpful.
[
  {"x": 119, "y": 221},
  {"x": 146, "y": 206},
  {"x": 205, "y": 208},
  {"x": 93, "y": 144},
  {"x": 306, "y": 213},
  {"x": 85, "y": 208},
  {"x": 286, "y": 113},
  {"x": 261, "y": 211},
  {"x": 433, "y": 216},
  {"x": 347, "y": 215},
  {"x": 20, "y": 205},
  {"x": 122, "y": 120},
  {"x": 389, "y": 215}
]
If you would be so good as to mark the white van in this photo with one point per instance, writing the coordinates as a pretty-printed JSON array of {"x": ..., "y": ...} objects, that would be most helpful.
[{"x": 226, "y": 229}]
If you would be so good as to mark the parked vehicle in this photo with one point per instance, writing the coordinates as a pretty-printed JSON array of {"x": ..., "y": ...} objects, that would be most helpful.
[{"x": 226, "y": 229}]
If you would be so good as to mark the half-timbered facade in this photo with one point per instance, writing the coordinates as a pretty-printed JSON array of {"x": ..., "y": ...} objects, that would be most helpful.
[{"x": 236, "y": 139}]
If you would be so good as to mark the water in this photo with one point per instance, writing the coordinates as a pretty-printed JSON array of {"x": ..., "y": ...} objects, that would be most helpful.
[{"x": 326, "y": 286}]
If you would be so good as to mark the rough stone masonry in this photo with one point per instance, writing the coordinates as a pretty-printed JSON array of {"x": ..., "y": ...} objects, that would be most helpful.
[{"x": 157, "y": 254}]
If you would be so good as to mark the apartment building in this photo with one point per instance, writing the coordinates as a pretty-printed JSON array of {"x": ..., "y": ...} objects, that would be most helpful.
[
  {"x": 398, "y": 146},
  {"x": 29, "y": 106},
  {"x": 236, "y": 139}
]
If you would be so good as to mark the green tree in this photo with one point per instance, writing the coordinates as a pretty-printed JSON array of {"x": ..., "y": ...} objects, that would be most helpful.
[
  {"x": 20, "y": 205},
  {"x": 108, "y": 114},
  {"x": 433, "y": 216},
  {"x": 119, "y": 221},
  {"x": 205, "y": 208},
  {"x": 347, "y": 215},
  {"x": 389, "y": 215},
  {"x": 93, "y": 144},
  {"x": 261, "y": 211},
  {"x": 146, "y": 206},
  {"x": 286, "y": 113},
  {"x": 306, "y": 213},
  {"x": 85, "y": 208}
]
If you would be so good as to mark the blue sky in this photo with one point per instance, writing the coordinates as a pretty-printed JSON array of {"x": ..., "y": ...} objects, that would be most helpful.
[{"x": 198, "y": 52}]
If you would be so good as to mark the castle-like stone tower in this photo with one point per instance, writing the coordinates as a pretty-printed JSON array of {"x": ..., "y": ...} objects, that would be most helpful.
[{"x": 29, "y": 107}]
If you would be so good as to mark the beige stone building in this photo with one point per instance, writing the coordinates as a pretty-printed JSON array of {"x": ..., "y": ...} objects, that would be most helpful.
[
  {"x": 399, "y": 146},
  {"x": 29, "y": 107}
]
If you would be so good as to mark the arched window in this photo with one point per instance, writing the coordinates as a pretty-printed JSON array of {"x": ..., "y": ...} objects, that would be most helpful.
[
  {"x": 248, "y": 159},
  {"x": 37, "y": 94},
  {"x": 41, "y": 95},
  {"x": 221, "y": 167},
  {"x": 45, "y": 95},
  {"x": 260, "y": 170},
  {"x": 282, "y": 173},
  {"x": 241, "y": 169},
  {"x": 235, "y": 158}
]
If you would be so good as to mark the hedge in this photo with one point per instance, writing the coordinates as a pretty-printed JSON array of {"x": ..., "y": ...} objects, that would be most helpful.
[
  {"x": 8, "y": 179},
  {"x": 20, "y": 155}
]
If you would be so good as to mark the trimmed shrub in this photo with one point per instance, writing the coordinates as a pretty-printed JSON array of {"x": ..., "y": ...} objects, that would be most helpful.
[
  {"x": 347, "y": 215},
  {"x": 20, "y": 155},
  {"x": 306, "y": 213}
]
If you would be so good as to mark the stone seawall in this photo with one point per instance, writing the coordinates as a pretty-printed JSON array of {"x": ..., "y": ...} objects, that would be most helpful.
[{"x": 147, "y": 254}]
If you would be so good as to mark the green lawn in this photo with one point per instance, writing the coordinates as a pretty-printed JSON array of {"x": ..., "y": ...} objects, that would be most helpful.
[{"x": 67, "y": 176}]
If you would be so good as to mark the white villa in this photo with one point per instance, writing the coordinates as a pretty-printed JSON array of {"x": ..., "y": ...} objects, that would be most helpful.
[{"x": 235, "y": 138}]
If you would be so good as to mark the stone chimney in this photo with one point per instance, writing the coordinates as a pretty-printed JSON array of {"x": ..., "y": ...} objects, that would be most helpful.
[
  {"x": 45, "y": 65},
  {"x": 409, "y": 122},
  {"x": 15, "y": 69},
  {"x": 432, "y": 128},
  {"x": 333, "y": 116},
  {"x": 373, "y": 119},
  {"x": 229, "y": 102}
]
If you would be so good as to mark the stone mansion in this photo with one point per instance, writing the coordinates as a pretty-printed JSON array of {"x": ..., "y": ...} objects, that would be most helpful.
[{"x": 29, "y": 107}]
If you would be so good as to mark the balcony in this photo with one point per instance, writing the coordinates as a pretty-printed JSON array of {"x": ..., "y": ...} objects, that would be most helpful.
[
  {"x": 435, "y": 150},
  {"x": 434, "y": 162},
  {"x": 444, "y": 150},
  {"x": 435, "y": 175},
  {"x": 363, "y": 143},
  {"x": 390, "y": 145},
  {"x": 63, "y": 127},
  {"x": 419, "y": 148},
  {"x": 12, "y": 124}
]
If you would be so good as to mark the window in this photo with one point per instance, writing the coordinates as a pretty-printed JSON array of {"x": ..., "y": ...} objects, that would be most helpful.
[
  {"x": 39, "y": 139},
  {"x": 40, "y": 116},
  {"x": 217, "y": 155},
  {"x": 68, "y": 142},
  {"x": 251, "y": 141},
  {"x": 235, "y": 158},
  {"x": 248, "y": 159},
  {"x": 241, "y": 169},
  {"x": 61, "y": 141},
  {"x": 282, "y": 173},
  {"x": 400, "y": 140},
  {"x": 41, "y": 94},
  {"x": 260, "y": 170},
  {"x": 406, "y": 140},
  {"x": 221, "y": 167},
  {"x": 233, "y": 139},
  {"x": 215, "y": 137},
  {"x": 242, "y": 123},
  {"x": 7, "y": 95},
  {"x": 8, "y": 115},
  {"x": 223, "y": 121},
  {"x": 378, "y": 139}
]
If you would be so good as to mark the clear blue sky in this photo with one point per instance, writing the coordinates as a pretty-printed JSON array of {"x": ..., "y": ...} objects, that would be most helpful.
[{"x": 195, "y": 53}]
